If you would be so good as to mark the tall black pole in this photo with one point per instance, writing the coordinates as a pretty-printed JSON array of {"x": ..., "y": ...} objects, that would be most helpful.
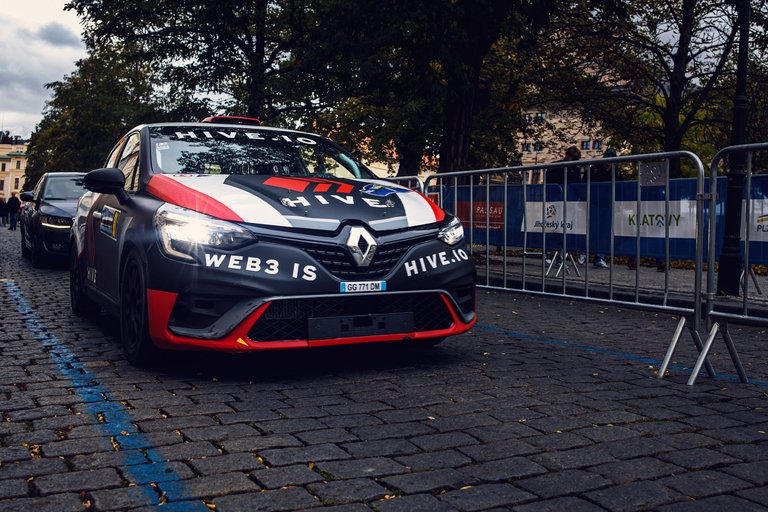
[{"x": 729, "y": 272}]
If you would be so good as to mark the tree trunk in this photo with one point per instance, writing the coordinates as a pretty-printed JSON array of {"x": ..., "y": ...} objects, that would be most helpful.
[
  {"x": 409, "y": 160},
  {"x": 454, "y": 147}
]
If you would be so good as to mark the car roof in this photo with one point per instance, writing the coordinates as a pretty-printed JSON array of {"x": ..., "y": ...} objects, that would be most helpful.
[{"x": 218, "y": 126}]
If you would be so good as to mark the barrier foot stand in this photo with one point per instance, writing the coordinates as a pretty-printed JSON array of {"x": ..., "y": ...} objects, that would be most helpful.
[
  {"x": 703, "y": 354},
  {"x": 734, "y": 355},
  {"x": 754, "y": 280},
  {"x": 671, "y": 348},
  {"x": 699, "y": 347},
  {"x": 575, "y": 266},
  {"x": 551, "y": 262}
]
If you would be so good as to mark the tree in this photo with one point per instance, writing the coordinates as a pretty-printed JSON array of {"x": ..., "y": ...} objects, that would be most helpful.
[
  {"x": 648, "y": 70},
  {"x": 413, "y": 75},
  {"x": 231, "y": 48},
  {"x": 92, "y": 108}
]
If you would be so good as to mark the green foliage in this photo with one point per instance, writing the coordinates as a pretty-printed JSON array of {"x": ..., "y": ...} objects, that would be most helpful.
[{"x": 91, "y": 109}]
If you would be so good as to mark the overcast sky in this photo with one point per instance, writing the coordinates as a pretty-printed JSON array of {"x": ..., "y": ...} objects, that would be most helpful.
[{"x": 39, "y": 43}]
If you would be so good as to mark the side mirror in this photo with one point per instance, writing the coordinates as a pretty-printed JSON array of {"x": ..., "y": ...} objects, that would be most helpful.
[
  {"x": 27, "y": 197},
  {"x": 107, "y": 181}
]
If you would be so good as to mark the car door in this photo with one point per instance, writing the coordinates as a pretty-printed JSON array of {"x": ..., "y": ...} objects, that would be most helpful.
[{"x": 108, "y": 218}]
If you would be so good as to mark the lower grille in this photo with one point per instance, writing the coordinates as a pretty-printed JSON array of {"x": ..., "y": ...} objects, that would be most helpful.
[{"x": 286, "y": 319}]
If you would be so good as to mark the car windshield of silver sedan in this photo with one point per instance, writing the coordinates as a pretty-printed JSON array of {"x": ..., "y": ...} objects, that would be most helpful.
[
  {"x": 63, "y": 188},
  {"x": 243, "y": 151}
]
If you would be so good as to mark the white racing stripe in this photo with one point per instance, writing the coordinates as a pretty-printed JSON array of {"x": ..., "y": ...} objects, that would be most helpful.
[{"x": 250, "y": 207}]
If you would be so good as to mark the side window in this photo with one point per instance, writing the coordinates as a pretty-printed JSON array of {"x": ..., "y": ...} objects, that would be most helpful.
[
  {"x": 112, "y": 158},
  {"x": 129, "y": 162},
  {"x": 38, "y": 189}
]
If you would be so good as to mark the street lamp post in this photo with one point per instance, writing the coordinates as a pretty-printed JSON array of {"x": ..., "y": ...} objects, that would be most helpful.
[{"x": 729, "y": 272}]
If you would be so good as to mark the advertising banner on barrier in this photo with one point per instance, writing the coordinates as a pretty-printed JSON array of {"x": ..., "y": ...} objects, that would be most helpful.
[
  {"x": 607, "y": 209},
  {"x": 758, "y": 225},
  {"x": 494, "y": 211},
  {"x": 555, "y": 218},
  {"x": 653, "y": 220}
]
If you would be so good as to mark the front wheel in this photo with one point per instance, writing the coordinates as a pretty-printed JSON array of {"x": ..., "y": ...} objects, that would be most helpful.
[{"x": 134, "y": 322}]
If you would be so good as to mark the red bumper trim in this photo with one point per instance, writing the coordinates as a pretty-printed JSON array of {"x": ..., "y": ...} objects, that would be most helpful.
[{"x": 160, "y": 305}]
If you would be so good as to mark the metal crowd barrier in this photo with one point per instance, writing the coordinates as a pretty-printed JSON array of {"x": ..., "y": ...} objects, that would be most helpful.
[
  {"x": 725, "y": 315},
  {"x": 474, "y": 187}
]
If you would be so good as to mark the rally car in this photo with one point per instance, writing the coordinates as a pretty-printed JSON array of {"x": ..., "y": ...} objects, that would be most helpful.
[{"x": 239, "y": 237}]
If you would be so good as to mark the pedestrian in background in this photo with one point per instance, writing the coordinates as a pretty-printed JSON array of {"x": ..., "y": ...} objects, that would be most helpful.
[
  {"x": 13, "y": 210},
  {"x": 3, "y": 212},
  {"x": 574, "y": 174},
  {"x": 603, "y": 173}
]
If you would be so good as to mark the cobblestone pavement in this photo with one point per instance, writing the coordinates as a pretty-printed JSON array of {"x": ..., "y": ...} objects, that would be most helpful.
[{"x": 546, "y": 405}]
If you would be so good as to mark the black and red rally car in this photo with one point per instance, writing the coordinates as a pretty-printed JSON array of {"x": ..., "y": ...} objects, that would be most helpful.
[{"x": 238, "y": 238}]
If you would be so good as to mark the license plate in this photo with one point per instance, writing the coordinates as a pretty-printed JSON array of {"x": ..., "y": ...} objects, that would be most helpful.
[{"x": 363, "y": 286}]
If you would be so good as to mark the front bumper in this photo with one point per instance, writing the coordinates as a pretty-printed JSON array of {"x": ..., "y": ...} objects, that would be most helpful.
[
  {"x": 55, "y": 241},
  {"x": 268, "y": 328},
  {"x": 275, "y": 296}
]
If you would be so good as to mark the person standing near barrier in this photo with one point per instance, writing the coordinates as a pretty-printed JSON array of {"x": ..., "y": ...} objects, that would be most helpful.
[
  {"x": 14, "y": 205},
  {"x": 600, "y": 173},
  {"x": 3, "y": 212},
  {"x": 557, "y": 176}
]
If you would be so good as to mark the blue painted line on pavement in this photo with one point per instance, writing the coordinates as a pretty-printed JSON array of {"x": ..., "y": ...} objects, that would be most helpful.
[
  {"x": 608, "y": 352},
  {"x": 141, "y": 467}
]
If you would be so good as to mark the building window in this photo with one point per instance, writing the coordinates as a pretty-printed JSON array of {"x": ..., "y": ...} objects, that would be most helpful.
[
  {"x": 16, "y": 183},
  {"x": 597, "y": 144},
  {"x": 2, "y": 167},
  {"x": 527, "y": 147},
  {"x": 538, "y": 146},
  {"x": 18, "y": 164},
  {"x": 2, "y": 185},
  {"x": 540, "y": 117},
  {"x": 584, "y": 145},
  {"x": 528, "y": 118}
]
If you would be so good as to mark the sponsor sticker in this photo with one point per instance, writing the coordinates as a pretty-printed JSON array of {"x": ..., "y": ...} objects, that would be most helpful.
[
  {"x": 375, "y": 189},
  {"x": 253, "y": 265},
  {"x": 434, "y": 261},
  {"x": 109, "y": 220},
  {"x": 363, "y": 286}
]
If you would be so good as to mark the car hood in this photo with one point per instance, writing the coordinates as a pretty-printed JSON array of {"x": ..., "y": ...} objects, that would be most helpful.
[
  {"x": 298, "y": 202},
  {"x": 59, "y": 208}
]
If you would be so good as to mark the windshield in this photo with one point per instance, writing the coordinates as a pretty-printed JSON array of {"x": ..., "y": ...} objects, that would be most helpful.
[
  {"x": 196, "y": 150},
  {"x": 64, "y": 187}
]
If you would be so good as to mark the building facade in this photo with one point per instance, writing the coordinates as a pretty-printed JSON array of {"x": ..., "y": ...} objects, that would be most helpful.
[
  {"x": 13, "y": 164},
  {"x": 553, "y": 133}
]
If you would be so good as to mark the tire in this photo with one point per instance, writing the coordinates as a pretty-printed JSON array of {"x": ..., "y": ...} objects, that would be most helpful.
[
  {"x": 82, "y": 305},
  {"x": 134, "y": 322},
  {"x": 24, "y": 250},
  {"x": 38, "y": 256}
]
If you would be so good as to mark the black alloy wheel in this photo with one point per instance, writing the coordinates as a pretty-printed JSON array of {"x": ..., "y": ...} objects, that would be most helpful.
[
  {"x": 81, "y": 304},
  {"x": 134, "y": 321}
]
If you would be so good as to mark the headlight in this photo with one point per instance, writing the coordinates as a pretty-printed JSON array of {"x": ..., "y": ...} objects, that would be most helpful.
[
  {"x": 182, "y": 232},
  {"x": 452, "y": 233},
  {"x": 49, "y": 221}
]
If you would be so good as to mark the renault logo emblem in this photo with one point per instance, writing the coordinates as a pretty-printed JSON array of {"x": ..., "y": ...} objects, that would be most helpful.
[{"x": 361, "y": 245}]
